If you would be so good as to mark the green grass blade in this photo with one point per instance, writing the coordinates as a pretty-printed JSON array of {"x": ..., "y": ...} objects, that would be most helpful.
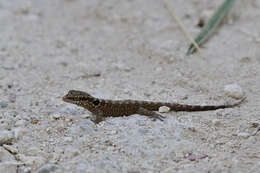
[{"x": 210, "y": 27}]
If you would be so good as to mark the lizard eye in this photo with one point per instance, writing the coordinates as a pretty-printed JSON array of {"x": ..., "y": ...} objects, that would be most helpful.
[{"x": 96, "y": 102}]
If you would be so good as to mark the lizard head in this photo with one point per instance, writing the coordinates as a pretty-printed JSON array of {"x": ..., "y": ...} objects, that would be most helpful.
[{"x": 81, "y": 98}]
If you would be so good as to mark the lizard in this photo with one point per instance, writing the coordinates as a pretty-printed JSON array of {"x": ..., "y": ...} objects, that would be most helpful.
[{"x": 102, "y": 108}]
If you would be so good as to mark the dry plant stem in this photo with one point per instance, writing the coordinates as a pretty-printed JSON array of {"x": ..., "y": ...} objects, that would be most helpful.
[{"x": 170, "y": 9}]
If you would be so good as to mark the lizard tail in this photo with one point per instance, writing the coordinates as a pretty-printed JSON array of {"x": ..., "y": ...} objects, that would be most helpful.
[{"x": 180, "y": 107}]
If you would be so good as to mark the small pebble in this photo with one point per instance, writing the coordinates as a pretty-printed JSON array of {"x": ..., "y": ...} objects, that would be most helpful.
[
  {"x": 10, "y": 148},
  {"x": 204, "y": 17},
  {"x": 34, "y": 151},
  {"x": 8, "y": 163},
  {"x": 85, "y": 116},
  {"x": 255, "y": 124},
  {"x": 220, "y": 112},
  {"x": 8, "y": 167},
  {"x": 216, "y": 122},
  {"x": 122, "y": 66},
  {"x": 158, "y": 69},
  {"x": 243, "y": 135},
  {"x": 12, "y": 98},
  {"x": 20, "y": 123},
  {"x": 113, "y": 132},
  {"x": 192, "y": 129},
  {"x": 68, "y": 120},
  {"x": 234, "y": 91},
  {"x": 18, "y": 132},
  {"x": 6, "y": 137},
  {"x": 32, "y": 161},
  {"x": 56, "y": 116},
  {"x": 10, "y": 86},
  {"x": 47, "y": 168},
  {"x": 24, "y": 169},
  {"x": 193, "y": 157},
  {"x": 5, "y": 156},
  {"x": 164, "y": 109},
  {"x": 71, "y": 152},
  {"x": 34, "y": 120},
  {"x": 3, "y": 104},
  {"x": 68, "y": 139}
]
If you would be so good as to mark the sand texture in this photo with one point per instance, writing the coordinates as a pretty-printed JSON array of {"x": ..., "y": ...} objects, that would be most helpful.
[{"x": 130, "y": 49}]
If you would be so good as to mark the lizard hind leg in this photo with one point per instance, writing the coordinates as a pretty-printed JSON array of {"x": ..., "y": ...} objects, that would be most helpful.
[{"x": 150, "y": 114}]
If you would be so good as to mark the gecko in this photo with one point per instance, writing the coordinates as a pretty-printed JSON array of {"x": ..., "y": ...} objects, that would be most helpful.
[{"x": 102, "y": 108}]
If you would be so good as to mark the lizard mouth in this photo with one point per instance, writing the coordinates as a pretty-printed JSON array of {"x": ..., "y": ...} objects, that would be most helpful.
[
  {"x": 66, "y": 99},
  {"x": 69, "y": 99}
]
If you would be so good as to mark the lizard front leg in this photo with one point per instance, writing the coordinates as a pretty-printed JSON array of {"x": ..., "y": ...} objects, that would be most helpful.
[
  {"x": 97, "y": 117},
  {"x": 150, "y": 114}
]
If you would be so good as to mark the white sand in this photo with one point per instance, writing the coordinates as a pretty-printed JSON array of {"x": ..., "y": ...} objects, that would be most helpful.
[{"x": 49, "y": 47}]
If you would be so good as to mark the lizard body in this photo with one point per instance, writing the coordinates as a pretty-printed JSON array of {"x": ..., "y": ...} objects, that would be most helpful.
[{"x": 102, "y": 108}]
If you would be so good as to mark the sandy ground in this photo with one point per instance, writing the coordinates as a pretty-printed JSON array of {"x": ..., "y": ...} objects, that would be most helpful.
[{"x": 125, "y": 50}]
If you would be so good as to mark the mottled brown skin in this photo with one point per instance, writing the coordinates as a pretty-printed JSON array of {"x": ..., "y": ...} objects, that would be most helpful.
[{"x": 114, "y": 108}]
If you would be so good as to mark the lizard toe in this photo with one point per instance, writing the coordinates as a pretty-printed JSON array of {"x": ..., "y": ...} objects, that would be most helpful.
[{"x": 157, "y": 117}]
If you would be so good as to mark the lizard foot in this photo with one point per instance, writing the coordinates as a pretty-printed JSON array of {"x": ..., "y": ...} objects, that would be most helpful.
[
  {"x": 157, "y": 117},
  {"x": 150, "y": 114}
]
